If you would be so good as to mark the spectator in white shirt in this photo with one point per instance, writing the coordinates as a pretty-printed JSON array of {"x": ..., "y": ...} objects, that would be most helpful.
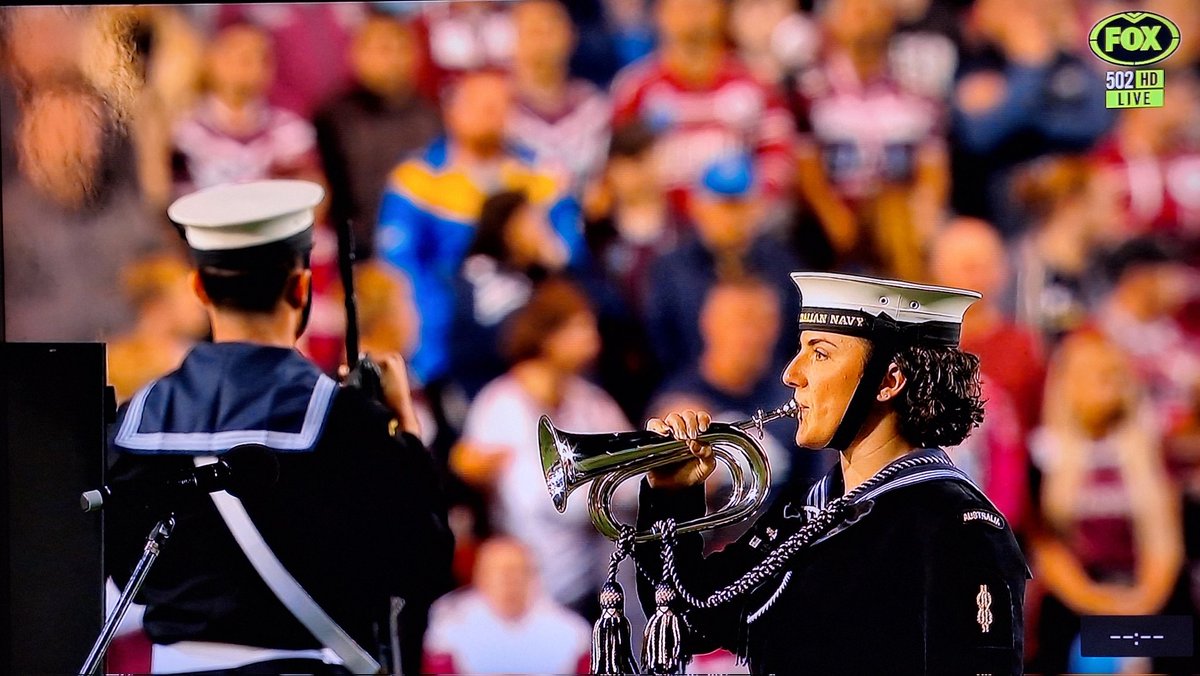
[
  {"x": 550, "y": 342},
  {"x": 503, "y": 623}
]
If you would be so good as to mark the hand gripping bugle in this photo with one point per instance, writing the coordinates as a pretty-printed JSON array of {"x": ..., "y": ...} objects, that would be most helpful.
[{"x": 570, "y": 460}]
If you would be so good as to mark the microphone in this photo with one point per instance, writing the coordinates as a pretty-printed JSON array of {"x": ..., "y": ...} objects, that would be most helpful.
[{"x": 243, "y": 471}]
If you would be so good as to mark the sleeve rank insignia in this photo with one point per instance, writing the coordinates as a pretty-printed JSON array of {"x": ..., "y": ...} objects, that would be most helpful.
[{"x": 983, "y": 600}]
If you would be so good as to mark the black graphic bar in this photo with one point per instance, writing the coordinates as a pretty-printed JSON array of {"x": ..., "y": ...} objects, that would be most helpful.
[{"x": 1136, "y": 636}]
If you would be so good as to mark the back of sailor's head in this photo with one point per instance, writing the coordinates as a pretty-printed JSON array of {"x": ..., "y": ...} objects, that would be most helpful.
[{"x": 247, "y": 239}]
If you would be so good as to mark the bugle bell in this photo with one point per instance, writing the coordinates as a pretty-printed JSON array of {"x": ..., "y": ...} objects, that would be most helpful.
[{"x": 570, "y": 460}]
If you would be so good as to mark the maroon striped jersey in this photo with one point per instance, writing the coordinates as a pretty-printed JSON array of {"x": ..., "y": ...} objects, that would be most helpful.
[{"x": 733, "y": 113}]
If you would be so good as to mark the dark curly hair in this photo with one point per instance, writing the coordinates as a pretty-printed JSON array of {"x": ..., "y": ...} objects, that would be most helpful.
[{"x": 941, "y": 402}]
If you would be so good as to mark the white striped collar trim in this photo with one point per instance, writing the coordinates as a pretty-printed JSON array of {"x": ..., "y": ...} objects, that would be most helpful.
[
  {"x": 818, "y": 494},
  {"x": 215, "y": 442}
]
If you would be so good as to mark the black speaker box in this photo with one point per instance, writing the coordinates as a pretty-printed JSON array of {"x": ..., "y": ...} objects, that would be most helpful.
[{"x": 52, "y": 427}]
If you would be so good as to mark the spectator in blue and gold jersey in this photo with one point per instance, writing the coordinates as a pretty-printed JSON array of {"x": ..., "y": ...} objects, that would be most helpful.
[{"x": 433, "y": 200}]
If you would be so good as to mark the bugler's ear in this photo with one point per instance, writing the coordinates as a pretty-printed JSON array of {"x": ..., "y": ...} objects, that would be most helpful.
[{"x": 893, "y": 383}]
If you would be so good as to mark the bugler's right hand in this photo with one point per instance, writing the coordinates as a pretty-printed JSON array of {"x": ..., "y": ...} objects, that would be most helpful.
[{"x": 686, "y": 425}]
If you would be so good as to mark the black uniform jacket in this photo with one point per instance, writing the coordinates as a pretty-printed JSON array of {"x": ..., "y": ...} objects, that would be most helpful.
[
  {"x": 357, "y": 516},
  {"x": 927, "y": 580}
]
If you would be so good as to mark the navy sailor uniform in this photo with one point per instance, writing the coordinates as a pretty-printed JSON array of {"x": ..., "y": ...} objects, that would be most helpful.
[
  {"x": 924, "y": 577},
  {"x": 357, "y": 516}
]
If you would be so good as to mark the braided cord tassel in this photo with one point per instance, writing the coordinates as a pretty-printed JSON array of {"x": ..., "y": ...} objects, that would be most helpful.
[
  {"x": 663, "y": 650},
  {"x": 612, "y": 646}
]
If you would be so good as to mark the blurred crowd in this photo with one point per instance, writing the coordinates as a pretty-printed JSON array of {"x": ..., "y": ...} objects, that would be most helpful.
[{"x": 589, "y": 210}]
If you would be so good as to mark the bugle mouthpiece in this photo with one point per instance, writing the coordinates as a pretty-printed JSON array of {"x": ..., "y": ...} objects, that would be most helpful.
[{"x": 788, "y": 410}]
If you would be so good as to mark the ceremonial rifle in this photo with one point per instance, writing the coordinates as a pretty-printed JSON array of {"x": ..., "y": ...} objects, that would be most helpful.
[{"x": 363, "y": 374}]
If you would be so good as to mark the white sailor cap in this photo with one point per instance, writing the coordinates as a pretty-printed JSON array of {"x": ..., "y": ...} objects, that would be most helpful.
[
  {"x": 876, "y": 308},
  {"x": 236, "y": 224}
]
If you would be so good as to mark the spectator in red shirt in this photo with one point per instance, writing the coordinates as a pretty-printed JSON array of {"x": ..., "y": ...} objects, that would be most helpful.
[
  {"x": 969, "y": 254},
  {"x": 703, "y": 103},
  {"x": 1153, "y": 158}
]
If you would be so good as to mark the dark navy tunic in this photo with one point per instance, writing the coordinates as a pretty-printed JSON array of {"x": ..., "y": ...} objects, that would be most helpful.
[
  {"x": 927, "y": 580},
  {"x": 357, "y": 516}
]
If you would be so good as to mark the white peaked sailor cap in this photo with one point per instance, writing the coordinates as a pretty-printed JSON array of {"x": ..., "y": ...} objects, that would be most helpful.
[
  {"x": 236, "y": 224},
  {"x": 877, "y": 309}
]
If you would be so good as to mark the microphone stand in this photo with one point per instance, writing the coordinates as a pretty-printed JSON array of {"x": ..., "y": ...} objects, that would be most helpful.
[{"x": 154, "y": 544}]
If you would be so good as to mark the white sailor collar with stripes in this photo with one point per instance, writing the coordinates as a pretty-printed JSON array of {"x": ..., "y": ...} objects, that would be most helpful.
[{"x": 227, "y": 394}]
